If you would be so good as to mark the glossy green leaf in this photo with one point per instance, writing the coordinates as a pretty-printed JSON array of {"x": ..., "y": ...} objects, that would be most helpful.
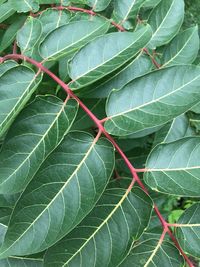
[
  {"x": 16, "y": 87},
  {"x": 153, "y": 253},
  {"x": 25, "y": 5},
  {"x": 151, "y": 100},
  {"x": 53, "y": 19},
  {"x": 174, "y": 130},
  {"x": 106, "y": 234},
  {"x": 10, "y": 33},
  {"x": 174, "y": 168},
  {"x": 6, "y": 11},
  {"x": 139, "y": 66},
  {"x": 29, "y": 35},
  {"x": 188, "y": 232},
  {"x": 63, "y": 192},
  {"x": 34, "y": 134},
  {"x": 98, "y": 5},
  {"x": 104, "y": 55},
  {"x": 126, "y": 9},
  {"x": 166, "y": 20},
  {"x": 67, "y": 39},
  {"x": 183, "y": 49}
]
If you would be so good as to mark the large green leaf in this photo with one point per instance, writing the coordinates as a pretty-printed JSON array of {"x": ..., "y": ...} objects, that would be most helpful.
[
  {"x": 64, "y": 190},
  {"x": 138, "y": 67},
  {"x": 67, "y": 39},
  {"x": 7, "y": 65},
  {"x": 151, "y": 100},
  {"x": 98, "y": 5},
  {"x": 29, "y": 35},
  {"x": 166, "y": 20},
  {"x": 125, "y": 10},
  {"x": 16, "y": 86},
  {"x": 106, "y": 234},
  {"x": 152, "y": 253},
  {"x": 188, "y": 232},
  {"x": 35, "y": 133},
  {"x": 6, "y": 11},
  {"x": 24, "y": 5},
  {"x": 105, "y": 54},
  {"x": 183, "y": 49},
  {"x": 174, "y": 168}
]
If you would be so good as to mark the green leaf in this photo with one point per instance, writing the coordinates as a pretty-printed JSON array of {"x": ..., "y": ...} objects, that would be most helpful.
[
  {"x": 63, "y": 192},
  {"x": 53, "y": 19},
  {"x": 104, "y": 56},
  {"x": 188, "y": 231},
  {"x": 174, "y": 168},
  {"x": 151, "y": 100},
  {"x": 29, "y": 35},
  {"x": 165, "y": 20},
  {"x": 106, "y": 234},
  {"x": 183, "y": 49},
  {"x": 153, "y": 253},
  {"x": 10, "y": 33},
  {"x": 67, "y": 39},
  {"x": 6, "y": 11},
  {"x": 21, "y": 261},
  {"x": 98, "y": 5},
  {"x": 126, "y": 9},
  {"x": 151, "y": 3},
  {"x": 16, "y": 87},
  {"x": 8, "y": 200},
  {"x": 35, "y": 133},
  {"x": 174, "y": 130},
  {"x": 7, "y": 65},
  {"x": 138, "y": 67},
  {"x": 25, "y": 5}
]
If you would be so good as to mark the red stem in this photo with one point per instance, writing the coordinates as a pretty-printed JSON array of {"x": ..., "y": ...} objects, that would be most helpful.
[{"x": 102, "y": 130}]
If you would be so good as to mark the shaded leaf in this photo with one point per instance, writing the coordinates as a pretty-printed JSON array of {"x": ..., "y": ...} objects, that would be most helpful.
[
  {"x": 24, "y": 5},
  {"x": 106, "y": 234},
  {"x": 174, "y": 168},
  {"x": 35, "y": 133},
  {"x": 151, "y": 101},
  {"x": 62, "y": 193},
  {"x": 6, "y": 10},
  {"x": 101, "y": 59}
]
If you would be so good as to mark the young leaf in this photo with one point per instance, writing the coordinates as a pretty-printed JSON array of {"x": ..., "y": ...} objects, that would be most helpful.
[
  {"x": 151, "y": 100},
  {"x": 28, "y": 35},
  {"x": 62, "y": 193},
  {"x": 25, "y": 5},
  {"x": 188, "y": 231},
  {"x": 154, "y": 253},
  {"x": 183, "y": 49},
  {"x": 101, "y": 59},
  {"x": 165, "y": 20},
  {"x": 98, "y": 5},
  {"x": 67, "y": 39},
  {"x": 16, "y": 86},
  {"x": 106, "y": 234},
  {"x": 34, "y": 134},
  {"x": 126, "y": 9},
  {"x": 174, "y": 168}
]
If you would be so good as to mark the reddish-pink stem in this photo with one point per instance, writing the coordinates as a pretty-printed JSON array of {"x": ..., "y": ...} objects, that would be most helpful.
[{"x": 101, "y": 130}]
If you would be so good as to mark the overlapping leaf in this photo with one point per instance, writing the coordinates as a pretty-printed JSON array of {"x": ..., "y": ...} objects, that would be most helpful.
[
  {"x": 153, "y": 253},
  {"x": 188, "y": 232},
  {"x": 65, "y": 189},
  {"x": 6, "y": 10},
  {"x": 174, "y": 168},
  {"x": 67, "y": 39},
  {"x": 166, "y": 20},
  {"x": 105, "y": 54},
  {"x": 98, "y": 5},
  {"x": 183, "y": 49},
  {"x": 106, "y": 234},
  {"x": 24, "y": 5},
  {"x": 34, "y": 134},
  {"x": 151, "y": 101},
  {"x": 16, "y": 86}
]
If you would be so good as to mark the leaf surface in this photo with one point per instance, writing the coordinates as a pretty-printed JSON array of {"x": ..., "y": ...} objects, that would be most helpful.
[
  {"x": 98, "y": 5},
  {"x": 63, "y": 192},
  {"x": 25, "y": 5},
  {"x": 35, "y": 133}
]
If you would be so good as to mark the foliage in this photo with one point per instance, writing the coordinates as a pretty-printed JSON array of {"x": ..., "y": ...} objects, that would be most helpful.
[{"x": 99, "y": 134}]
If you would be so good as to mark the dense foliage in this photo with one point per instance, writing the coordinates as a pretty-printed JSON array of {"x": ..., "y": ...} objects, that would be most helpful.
[{"x": 99, "y": 134}]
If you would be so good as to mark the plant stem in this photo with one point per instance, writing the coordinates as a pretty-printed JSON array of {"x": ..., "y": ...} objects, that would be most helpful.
[{"x": 108, "y": 136}]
